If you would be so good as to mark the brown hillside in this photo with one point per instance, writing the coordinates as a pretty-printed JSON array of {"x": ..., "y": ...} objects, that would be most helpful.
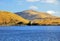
[
  {"x": 40, "y": 18},
  {"x": 32, "y": 15},
  {"x": 8, "y": 18}
]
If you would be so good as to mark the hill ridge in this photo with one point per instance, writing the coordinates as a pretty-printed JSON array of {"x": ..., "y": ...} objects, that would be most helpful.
[
  {"x": 8, "y": 18},
  {"x": 28, "y": 14}
]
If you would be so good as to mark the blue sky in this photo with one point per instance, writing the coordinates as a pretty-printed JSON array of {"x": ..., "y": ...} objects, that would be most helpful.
[{"x": 49, "y": 6}]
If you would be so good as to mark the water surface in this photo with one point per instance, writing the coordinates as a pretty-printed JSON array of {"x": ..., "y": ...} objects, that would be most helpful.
[{"x": 29, "y": 33}]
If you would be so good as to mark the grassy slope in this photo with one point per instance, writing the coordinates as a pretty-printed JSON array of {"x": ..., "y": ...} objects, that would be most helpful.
[
  {"x": 8, "y": 18},
  {"x": 45, "y": 17}
]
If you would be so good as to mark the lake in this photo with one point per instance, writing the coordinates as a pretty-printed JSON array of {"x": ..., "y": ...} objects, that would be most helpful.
[{"x": 29, "y": 33}]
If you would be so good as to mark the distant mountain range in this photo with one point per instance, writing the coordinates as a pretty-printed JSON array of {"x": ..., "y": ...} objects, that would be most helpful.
[
  {"x": 40, "y": 18},
  {"x": 28, "y": 17},
  {"x": 31, "y": 15}
]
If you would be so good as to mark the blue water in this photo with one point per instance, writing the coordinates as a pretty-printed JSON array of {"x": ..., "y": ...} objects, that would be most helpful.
[
  {"x": 30, "y": 28},
  {"x": 29, "y": 33}
]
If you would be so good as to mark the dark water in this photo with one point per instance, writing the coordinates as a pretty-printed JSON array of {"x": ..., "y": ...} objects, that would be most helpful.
[{"x": 29, "y": 33}]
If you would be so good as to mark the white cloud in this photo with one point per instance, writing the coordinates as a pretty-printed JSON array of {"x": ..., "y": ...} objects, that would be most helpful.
[
  {"x": 45, "y": 1},
  {"x": 51, "y": 12},
  {"x": 32, "y": 0},
  {"x": 33, "y": 7},
  {"x": 55, "y": 13},
  {"x": 50, "y": 1}
]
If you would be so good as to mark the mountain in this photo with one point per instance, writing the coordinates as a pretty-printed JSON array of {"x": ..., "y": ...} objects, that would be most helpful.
[
  {"x": 31, "y": 15},
  {"x": 8, "y": 18},
  {"x": 40, "y": 18}
]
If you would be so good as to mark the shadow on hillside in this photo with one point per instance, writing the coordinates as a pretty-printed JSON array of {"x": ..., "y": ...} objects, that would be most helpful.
[{"x": 36, "y": 24}]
